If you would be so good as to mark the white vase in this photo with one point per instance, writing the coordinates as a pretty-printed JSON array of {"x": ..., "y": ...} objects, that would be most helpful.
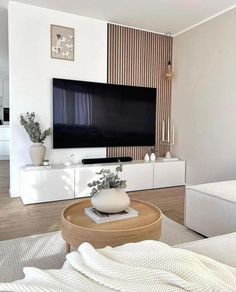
[
  {"x": 37, "y": 153},
  {"x": 146, "y": 157},
  {"x": 111, "y": 201},
  {"x": 153, "y": 157}
]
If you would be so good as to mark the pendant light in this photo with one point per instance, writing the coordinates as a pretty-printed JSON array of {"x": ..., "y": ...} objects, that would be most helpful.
[{"x": 169, "y": 73}]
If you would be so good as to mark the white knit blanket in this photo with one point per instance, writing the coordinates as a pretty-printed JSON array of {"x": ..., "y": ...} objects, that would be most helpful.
[{"x": 145, "y": 266}]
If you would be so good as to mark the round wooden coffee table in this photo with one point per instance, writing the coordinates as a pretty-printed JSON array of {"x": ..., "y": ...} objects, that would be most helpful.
[{"x": 77, "y": 227}]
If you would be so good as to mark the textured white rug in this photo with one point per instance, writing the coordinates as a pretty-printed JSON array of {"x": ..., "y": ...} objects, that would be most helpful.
[{"x": 47, "y": 251}]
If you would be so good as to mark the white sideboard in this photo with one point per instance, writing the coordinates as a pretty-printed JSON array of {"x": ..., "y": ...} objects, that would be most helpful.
[
  {"x": 4, "y": 95},
  {"x": 45, "y": 185},
  {"x": 167, "y": 174},
  {"x": 40, "y": 184},
  {"x": 4, "y": 142},
  {"x": 138, "y": 176}
]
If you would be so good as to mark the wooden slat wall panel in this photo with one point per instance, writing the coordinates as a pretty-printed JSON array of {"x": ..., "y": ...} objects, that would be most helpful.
[{"x": 140, "y": 58}]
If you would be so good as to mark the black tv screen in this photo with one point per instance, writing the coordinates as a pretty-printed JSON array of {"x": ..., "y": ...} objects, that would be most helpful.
[{"x": 89, "y": 114}]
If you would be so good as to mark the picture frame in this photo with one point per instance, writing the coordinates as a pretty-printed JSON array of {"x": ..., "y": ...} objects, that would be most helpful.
[{"x": 62, "y": 42}]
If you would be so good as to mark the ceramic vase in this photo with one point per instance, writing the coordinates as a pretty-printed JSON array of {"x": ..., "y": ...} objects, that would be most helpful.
[
  {"x": 153, "y": 157},
  {"x": 146, "y": 157},
  {"x": 111, "y": 201},
  {"x": 37, "y": 153}
]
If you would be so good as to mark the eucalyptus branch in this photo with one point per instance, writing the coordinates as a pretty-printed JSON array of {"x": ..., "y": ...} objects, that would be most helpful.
[
  {"x": 33, "y": 128},
  {"x": 108, "y": 180}
]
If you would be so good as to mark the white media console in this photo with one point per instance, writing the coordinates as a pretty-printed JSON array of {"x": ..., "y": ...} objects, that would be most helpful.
[
  {"x": 4, "y": 142},
  {"x": 41, "y": 184}
]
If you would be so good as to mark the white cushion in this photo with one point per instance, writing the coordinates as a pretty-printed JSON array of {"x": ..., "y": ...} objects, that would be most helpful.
[
  {"x": 220, "y": 248},
  {"x": 225, "y": 189}
]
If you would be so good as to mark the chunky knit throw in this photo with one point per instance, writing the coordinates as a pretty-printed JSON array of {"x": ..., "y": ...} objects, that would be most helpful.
[{"x": 145, "y": 266}]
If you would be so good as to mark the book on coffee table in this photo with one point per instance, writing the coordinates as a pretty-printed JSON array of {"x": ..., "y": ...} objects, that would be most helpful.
[{"x": 100, "y": 217}]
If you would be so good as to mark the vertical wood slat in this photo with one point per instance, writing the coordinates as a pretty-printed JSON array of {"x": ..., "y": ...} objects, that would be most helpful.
[{"x": 140, "y": 58}]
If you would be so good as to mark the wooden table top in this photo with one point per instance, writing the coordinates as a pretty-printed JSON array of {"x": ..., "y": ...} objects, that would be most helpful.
[
  {"x": 77, "y": 227},
  {"x": 148, "y": 214}
]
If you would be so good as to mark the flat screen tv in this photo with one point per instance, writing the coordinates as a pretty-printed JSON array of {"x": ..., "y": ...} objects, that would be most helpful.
[{"x": 90, "y": 114}]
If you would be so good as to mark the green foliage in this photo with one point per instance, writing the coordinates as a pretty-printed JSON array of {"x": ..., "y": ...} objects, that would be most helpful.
[
  {"x": 153, "y": 149},
  {"x": 108, "y": 180},
  {"x": 33, "y": 128}
]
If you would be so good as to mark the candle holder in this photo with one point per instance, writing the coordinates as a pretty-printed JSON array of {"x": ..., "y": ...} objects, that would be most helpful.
[
  {"x": 168, "y": 153},
  {"x": 168, "y": 136}
]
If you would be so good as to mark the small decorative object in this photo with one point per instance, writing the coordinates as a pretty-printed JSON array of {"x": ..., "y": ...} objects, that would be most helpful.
[
  {"x": 168, "y": 135},
  {"x": 153, "y": 154},
  {"x": 67, "y": 162},
  {"x": 71, "y": 160},
  {"x": 62, "y": 42},
  {"x": 37, "y": 150},
  {"x": 168, "y": 155},
  {"x": 170, "y": 132},
  {"x": 146, "y": 157},
  {"x": 107, "y": 193},
  {"x": 46, "y": 162},
  {"x": 153, "y": 157}
]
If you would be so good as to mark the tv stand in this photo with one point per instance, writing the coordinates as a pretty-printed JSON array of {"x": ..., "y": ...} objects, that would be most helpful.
[{"x": 60, "y": 182}]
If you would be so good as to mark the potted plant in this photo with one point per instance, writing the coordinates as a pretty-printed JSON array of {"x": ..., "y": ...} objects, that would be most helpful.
[
  {"x": 37, "y": 149},
  {"x": 107, "y": 192}
]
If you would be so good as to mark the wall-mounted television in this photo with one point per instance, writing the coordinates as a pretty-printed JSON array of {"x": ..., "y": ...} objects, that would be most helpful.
[{"x": 91, "y": 114}]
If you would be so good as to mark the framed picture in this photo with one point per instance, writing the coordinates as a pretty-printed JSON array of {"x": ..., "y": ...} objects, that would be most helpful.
[{"x": 62, "y": 42}]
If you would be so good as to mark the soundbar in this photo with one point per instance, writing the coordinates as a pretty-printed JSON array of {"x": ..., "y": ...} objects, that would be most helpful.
[{"x": 106, "y": 160}]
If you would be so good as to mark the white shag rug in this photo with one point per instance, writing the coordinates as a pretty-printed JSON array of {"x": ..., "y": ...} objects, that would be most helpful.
[{"x": 47, "y": 251}]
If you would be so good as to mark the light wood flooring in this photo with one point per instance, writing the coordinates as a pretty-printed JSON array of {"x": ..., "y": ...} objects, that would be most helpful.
[{"x": 17, "y": 220}]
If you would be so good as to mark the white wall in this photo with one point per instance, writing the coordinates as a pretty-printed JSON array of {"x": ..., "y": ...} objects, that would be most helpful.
[
  {"x": 204, "y": 99},
  {"x": 3, "y": 43},
  {"x": 32, "y": 70},
  {"x": 4, "y": 66}
]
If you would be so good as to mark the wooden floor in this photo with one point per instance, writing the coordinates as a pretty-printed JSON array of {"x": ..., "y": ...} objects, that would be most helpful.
[{"x": 17, "y": 220}]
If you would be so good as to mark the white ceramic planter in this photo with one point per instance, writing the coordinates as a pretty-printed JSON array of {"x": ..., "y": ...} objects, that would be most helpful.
[
  {"x": 111, "y": 201},
  {"x": 153, "y": 157},
  {"x": 37, "y": 153},
  {"x": 146, "y": 157}
]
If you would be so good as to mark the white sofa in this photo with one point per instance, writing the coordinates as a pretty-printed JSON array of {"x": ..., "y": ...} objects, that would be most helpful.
[
  {"x": 220, "y": 248},
  {"x": 210, "y": 209}
]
